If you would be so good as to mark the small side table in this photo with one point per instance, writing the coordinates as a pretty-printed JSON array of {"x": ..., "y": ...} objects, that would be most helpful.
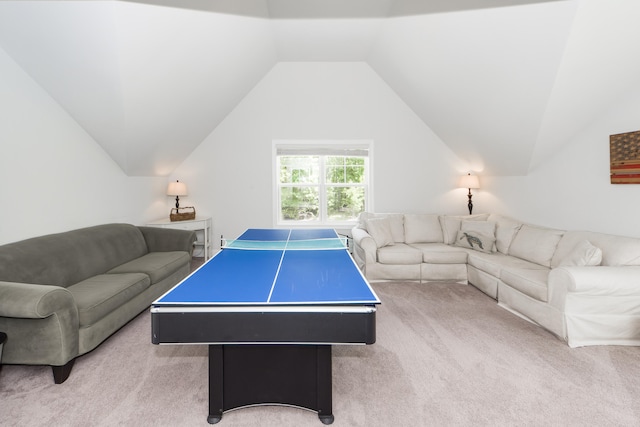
[{"x": 204, "y": 225}]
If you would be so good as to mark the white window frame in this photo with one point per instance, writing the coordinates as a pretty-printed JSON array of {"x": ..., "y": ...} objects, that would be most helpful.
[{"x": 321, "y": 147}]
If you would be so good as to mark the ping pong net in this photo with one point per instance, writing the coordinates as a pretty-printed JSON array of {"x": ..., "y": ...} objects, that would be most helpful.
[{"x": 330, "y": 243}]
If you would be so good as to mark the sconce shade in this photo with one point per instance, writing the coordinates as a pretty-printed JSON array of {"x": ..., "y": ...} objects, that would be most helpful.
[
  {"x": 177, "y": 189},
  {"x": 469, "y": 181}
]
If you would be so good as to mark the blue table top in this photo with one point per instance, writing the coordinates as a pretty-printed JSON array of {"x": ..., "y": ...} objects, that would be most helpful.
[{"x": 275, "y": 276}]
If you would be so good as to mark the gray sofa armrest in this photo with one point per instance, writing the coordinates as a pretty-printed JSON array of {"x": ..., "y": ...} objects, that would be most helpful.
[
  {"x": 168, "y": 239},
  {"x": 41, "y": 322},
  {"x": 29, "y": 301}
]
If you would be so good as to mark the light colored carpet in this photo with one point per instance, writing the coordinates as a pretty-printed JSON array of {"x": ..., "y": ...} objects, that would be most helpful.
[{"x": 445, "y": 354}]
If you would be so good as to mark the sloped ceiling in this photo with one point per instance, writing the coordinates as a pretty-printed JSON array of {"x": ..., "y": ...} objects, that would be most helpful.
[{"x": 504, "y": 83}]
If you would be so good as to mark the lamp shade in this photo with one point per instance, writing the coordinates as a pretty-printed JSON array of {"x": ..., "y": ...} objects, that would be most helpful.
[
  {"x": 177, "y": 189},
  {"x": 469, "y": 181}
]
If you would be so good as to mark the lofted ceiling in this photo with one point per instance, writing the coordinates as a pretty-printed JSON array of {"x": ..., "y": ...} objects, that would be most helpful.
[{"x": 504, "y": 83}]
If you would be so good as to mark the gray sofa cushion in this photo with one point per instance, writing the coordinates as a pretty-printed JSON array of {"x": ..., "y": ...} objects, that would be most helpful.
[
  {"x": 104, "y": 293},
  {"x": 157, "y": 265}
]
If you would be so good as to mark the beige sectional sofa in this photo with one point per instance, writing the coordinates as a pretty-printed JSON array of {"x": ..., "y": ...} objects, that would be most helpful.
[{"x": 582, "y": 286}]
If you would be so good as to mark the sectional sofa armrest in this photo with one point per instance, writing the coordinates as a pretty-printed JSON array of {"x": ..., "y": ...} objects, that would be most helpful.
[
  {"x": 601, "y": 280},
  {"x": 364, "y": 247},
  {"x": 593, "y": 281},
  {"x": 31, "y": 301},
  {"x": 168, "y": 239}
]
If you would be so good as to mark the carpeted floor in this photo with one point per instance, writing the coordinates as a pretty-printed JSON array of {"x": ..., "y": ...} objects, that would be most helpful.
[{"x": 445, "y": 354}]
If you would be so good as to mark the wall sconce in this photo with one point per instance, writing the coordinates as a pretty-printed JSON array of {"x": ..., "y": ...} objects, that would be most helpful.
[
  {"x": 469, "y": 181},
  {"x": 177, "y": 189}
]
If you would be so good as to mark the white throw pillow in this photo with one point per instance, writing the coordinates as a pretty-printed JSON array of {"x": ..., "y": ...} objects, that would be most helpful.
[
  {"x": 474, "y": 240},
  {"x": 451, "y": 225},
  {"x": 582, "y": 254},
  {"x": 380, "y": 230},
  {"x": 422, "y": 228},
  {"x": 486, "y": 228}
]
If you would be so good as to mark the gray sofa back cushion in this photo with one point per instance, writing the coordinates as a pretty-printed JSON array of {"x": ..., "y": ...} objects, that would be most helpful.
[{"x": 93, "y": 250}]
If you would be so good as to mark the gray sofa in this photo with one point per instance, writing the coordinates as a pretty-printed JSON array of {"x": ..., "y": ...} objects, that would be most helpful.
[
  {"x": 582, "y": 286},
  {"x": 63, "y": 294}
]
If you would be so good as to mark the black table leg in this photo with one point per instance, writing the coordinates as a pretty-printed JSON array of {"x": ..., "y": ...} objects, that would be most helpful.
[
  {"x": 216, "y": 383},
  {"x": 325, "y": 411}
]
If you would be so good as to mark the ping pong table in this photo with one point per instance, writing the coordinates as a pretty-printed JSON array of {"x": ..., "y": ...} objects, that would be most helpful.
[{"x": 270, "y": 305}]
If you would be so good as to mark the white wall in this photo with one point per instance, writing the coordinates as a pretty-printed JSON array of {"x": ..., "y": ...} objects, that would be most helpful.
[
  {"x": 230, "y": 174},
  {"x": 53, "y": 175},
  {"x": 573, "y": 190}
]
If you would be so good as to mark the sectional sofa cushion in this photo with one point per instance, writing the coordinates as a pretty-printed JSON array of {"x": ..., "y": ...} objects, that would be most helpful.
[
  {"x": 400, "y": 253},
  {"x": 493, "y": 263},
  {"x": 422, "y": 229},
  {"x": 506, "y": 230},
  {"x": 530, "y": 282},
  {"x": 535, "y": 244},
  {"x": 397, "y": 226},
  {"x": 439, "y": 253},
  {"x": 396, "y": 223},
  {"x": 380, "y": 230}
]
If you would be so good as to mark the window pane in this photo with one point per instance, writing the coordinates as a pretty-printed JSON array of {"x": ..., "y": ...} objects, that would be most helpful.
[
  {"x": 299, "y": 169},
  {"x": 299, "y": 204},
  {"x": 345, "y": 170},
  {"x": 345, "y": 203}
]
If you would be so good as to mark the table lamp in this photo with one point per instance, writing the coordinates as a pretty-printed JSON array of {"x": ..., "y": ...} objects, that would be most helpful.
[
  {"x": 469, "y": 181},
  {"x": 177, "y": 189}
]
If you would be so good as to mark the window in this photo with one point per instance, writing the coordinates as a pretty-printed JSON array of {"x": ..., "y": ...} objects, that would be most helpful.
[{"x": 321, "y": 183}]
